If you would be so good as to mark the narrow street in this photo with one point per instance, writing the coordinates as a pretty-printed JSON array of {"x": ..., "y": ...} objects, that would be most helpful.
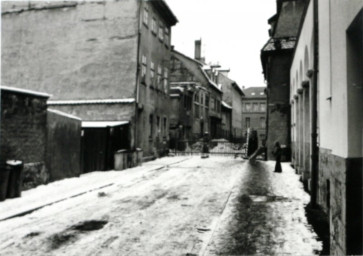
[{"x": 170, "y": 206}]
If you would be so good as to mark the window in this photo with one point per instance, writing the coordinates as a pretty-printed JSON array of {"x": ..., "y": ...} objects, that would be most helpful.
[
  {"x": 166, "y": 80},
  {"x": 196, "y": 99},
  {"x": 167, "y": 38},
  {"x": 201, "y": 98},
  {"x": 152, "y": 73},
  {"x": 262, "y": 122},
  {"x": 212, "y": 103},
  {"x": 207, "y": 101},
  {"x": 165, "y": 130},
  {"x": 263, "y": 107},
  {"x": 143, "y": 68},
  {"x": 154, "y": 26},
  {"x": 248, "y": 107},
  {"x": 196, "y": 110},
  {"x": 158, "y": 125},
  {"x": 146, "y": 16},
  {"x": 160, "y": 71},
  {"x": 248, "y": 122},
  {"x": 255, "y": 107},
  {"x": 151, "y": 117},
  {"x": 161, "y": 32}
]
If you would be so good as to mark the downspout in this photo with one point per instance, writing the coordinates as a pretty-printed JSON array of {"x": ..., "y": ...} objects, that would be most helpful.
[
  {"x": 137, "y": 75},
  {"x": 314, "y": 91}
]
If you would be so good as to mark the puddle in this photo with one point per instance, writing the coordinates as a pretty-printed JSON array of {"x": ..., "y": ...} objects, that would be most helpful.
[
  {"x": 32, "y": 234},
  {"x": 60, "y": 239},
  {"x": 89, "y": 225},
  {"x": 265, "y": 199},
  {"x": 71, "y": 234}
]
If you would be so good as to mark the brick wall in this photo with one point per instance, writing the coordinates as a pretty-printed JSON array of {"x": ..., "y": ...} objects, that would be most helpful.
[
  {"x": 63, "y": 145},
  {"x": 342, "y": 200},
  {"x": 23, "y": 133}
]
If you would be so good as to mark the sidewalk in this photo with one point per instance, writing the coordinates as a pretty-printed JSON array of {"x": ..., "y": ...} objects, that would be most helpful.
[
  {"x": 61, "y": 190},
  {"x": 265, "y": 215}
]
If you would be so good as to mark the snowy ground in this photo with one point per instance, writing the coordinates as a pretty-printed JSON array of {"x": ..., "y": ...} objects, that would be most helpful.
[{"x": 171, "y": 206}]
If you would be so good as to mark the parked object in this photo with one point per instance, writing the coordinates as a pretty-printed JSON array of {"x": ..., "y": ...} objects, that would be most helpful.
[
  {"x": 15, "y": 168},
  {"x": 4, "y": 180}
]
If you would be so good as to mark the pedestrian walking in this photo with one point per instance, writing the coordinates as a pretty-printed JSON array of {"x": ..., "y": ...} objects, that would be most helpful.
[
  {"x": 205, "y": 147},
  {"x": 277, "y": 153}
]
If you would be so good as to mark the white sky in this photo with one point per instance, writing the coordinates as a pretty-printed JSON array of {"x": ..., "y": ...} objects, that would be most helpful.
[{"x": 232, "y": 32}]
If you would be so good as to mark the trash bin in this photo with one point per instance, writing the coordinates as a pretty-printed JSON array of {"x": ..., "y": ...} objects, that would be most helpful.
[
  {"x": 120, "y": 159},
  {"x": 4, "y": 180},
  {"x": 15, "y": 168}
]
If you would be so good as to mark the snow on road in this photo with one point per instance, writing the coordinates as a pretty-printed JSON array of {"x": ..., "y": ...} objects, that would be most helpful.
[
  {"x": 147, "y": 210},
  {"x": 170, "y": 206}
]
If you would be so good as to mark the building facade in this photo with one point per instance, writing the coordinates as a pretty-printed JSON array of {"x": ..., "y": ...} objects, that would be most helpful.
[
  {"x": 232, "y": 96},
  {"x": 254, "y": 111},
  {"x": 204, "y": 111},
  {"x": 276, "y": 57},
  {"x": 326, "y": 101},
  {"x": 101, "y": 61}
]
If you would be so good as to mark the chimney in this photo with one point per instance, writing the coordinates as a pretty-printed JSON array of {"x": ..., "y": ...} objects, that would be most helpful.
[{"x": 198, "y": 49}]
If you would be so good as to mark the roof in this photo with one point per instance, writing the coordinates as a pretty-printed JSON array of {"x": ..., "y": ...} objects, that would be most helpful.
[
  {"x": 63, "y": 114},
  {"x": 226, "y": 105},
  {"x": 165, "y": 11},
  {"x": 274, "y": 44},
  {"x": 97, "y": 101},
  {"x": 255, "y": 92},
  {"x": 201, "y": 66},
  {"x": 25, "y": 91},
  {"x": 102, "y": 124}
]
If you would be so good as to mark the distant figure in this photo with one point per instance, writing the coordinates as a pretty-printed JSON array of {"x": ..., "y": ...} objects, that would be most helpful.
[
  {"x": 252, "y": 143},
  {"x": 205, "y": 148},
  {"x": 277, "y": 153}
]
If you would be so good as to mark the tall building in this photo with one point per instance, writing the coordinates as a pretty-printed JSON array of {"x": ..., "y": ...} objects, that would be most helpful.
[
  {"x": 254, "y": 111},
  {"x": 103, "y": 61},
  {"x": 276, "y": 57},
  {"x": 326, "y": 118}
]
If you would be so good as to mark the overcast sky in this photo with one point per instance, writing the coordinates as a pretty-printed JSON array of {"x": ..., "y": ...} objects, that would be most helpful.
[{"x": 232, "y": 32}]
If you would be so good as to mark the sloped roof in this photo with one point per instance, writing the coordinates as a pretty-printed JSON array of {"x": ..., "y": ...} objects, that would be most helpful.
[
  {"x": 24, "y": 91},
  {"x": 200, "y": 68},
  {"x": 255, "y": 92},
  {"x": 274, "y": 44}
]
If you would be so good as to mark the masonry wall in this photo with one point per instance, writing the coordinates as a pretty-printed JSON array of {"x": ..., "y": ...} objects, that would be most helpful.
[
  {"x": 23, "y": 134},
  {"x": 72, "y": 50},
  {"x": 63, "y": 145},
  {"x": 278, "y": 126}
]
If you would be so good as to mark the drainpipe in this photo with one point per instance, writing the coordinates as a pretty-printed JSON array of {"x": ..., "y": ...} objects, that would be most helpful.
[
  {"x": 314, "y": 135},
  {"x": 137, "y": 75}
]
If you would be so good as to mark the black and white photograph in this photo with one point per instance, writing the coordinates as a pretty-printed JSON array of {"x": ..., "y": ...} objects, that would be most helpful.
[{"x": 181, "y": 127}]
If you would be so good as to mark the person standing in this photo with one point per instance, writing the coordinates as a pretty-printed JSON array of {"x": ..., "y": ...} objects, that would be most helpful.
[{"x": 277, "y": 153}]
